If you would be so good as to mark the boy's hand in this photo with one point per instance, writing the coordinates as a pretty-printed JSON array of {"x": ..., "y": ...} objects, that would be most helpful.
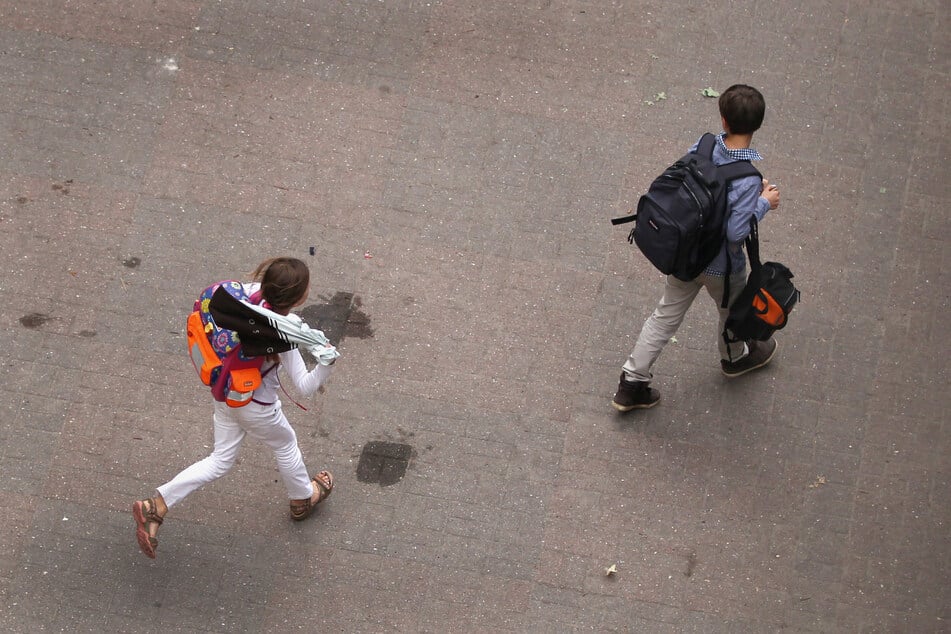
[{"x": 771, "y": 194}]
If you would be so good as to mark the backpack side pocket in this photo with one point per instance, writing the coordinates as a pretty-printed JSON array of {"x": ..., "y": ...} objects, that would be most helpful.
[{"x": 199, "y": 349}]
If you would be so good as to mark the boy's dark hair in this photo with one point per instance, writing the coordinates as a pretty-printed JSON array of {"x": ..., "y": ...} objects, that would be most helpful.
[
  {"x": 283, "y": 281},
  {"x": 743, "y": 108}
]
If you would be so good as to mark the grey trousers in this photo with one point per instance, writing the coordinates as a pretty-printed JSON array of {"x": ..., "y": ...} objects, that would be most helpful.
[{"x": 667, "y": 317}]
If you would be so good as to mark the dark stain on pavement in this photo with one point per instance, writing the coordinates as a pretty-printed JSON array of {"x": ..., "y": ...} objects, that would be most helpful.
[
  {"x": 383, "y": 462},
  {"x": 64, "y": 187},
  {"x": 691, "y": 564},
  {"x": 339, "y": 317},
  {"x": 34, "y": 320}
]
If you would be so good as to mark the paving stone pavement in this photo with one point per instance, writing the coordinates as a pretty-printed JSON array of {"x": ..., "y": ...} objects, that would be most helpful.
[{"x": 455, "y": 164}]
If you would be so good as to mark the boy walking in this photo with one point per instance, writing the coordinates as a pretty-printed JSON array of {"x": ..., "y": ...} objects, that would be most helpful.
[{"x": 742, "y": 109}]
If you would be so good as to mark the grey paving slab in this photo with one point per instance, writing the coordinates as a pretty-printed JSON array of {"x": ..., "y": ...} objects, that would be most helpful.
[{"x": 455, "y": 164}]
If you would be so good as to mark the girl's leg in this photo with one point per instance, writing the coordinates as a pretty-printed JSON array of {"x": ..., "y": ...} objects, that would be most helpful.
[
  {"x": 268, "y": 424},
  {"x": 148, "y": 513},
  {"x": 228, "y": 437}
]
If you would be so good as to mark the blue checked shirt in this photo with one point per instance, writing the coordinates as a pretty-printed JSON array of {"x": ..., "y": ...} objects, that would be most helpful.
[{"x": 743, "y": 201}]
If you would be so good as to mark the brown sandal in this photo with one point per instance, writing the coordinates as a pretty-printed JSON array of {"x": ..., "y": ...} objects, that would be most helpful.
[
  {"x": 144, "y": 513},
  {"x": 301, "y": 509}
]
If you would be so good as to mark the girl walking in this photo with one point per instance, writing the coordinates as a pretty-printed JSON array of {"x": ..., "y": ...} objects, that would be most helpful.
[{"x": 282, "y": 284}]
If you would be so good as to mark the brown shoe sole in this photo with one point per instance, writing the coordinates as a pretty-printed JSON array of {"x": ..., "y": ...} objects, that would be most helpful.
[
  {"x": 627, "y": 408},
  {"x": 733, "y": 375}
]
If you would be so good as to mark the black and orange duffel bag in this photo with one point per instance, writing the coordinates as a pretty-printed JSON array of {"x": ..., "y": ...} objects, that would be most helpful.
[{"x": 764, "y": 305}]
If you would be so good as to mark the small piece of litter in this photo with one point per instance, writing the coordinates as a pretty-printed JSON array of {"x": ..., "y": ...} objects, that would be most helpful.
[
  {"x": 709, "y": 92},
  {"x": 882, "y": 190},
  {"x": 367, "y": 255},
  {"x": 313, "y": 250},
  {"x": 820, "y": 480},
  {"x": 660, "y": 96},
  {"x": 673, "y": 340},
  {"x": 611, "y": 570},
  {"x": 648, "y": 102}
]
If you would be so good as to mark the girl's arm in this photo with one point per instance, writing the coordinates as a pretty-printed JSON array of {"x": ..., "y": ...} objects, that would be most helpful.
[{"x": 306, "y": 382}]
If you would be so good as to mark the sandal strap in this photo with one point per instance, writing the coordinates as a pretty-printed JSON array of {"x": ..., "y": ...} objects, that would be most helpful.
[
  {"x": 324, "y": 489},
  {"x": 303, "y": 508},
  {"x": 299, "y": 511},
  {"x": 150, "y": 514}
]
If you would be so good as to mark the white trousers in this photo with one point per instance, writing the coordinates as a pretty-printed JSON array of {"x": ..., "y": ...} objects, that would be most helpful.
[
  {"x": 669, "y": 314},
  {"x": 266, "y": 423}
]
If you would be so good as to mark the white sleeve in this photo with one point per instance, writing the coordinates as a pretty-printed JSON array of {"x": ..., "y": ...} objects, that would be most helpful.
[{"x": 306, "y": 382}]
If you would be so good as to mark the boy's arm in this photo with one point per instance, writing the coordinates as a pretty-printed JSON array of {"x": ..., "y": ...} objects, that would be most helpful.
[{"x": 747, "y": 198}]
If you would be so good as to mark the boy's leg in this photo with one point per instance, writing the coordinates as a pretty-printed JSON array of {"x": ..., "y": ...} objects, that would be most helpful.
[
  {"x": 228, "y": 437},
  {"x": 660, "y": 327},
  {"x": 714, "y": 286},
  {"x": 739, "y": 357}
]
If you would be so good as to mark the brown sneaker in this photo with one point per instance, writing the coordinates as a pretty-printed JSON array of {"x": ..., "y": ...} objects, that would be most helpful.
[
  {"x": 761, "y": 353},
  {"x": 634, "y": 395}
]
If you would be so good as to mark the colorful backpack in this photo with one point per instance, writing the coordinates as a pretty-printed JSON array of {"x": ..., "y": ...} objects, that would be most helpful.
[{"x": 230, "y": 368}]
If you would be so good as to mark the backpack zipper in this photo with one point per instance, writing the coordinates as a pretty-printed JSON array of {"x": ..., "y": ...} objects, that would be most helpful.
[
  {"x": 696, "y": 200},
  {"x": 699, "y": 206}
]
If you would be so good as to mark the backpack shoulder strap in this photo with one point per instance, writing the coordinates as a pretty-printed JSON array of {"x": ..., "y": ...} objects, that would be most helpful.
[
  {"x": 737, "y": 169},
  {"x": 706, "y": 144}
]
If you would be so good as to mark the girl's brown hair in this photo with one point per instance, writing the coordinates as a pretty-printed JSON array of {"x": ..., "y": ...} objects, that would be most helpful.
[{"x": 284, "y": 282}]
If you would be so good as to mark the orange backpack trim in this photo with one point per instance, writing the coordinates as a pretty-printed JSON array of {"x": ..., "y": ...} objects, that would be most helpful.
[{"x": 199, "y": 348}]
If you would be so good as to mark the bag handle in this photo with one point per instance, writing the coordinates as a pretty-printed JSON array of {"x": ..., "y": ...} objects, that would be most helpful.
[
  {"x": 752, "y": 245},
  {"x": 752, "y": 248}
]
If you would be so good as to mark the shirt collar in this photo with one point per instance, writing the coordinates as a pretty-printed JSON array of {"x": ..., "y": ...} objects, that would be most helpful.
[{"x": 744, "y": 154}]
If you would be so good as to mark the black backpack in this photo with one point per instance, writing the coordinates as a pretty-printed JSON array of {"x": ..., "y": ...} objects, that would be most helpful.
[
  {"x": 763, "y": 306},
  {"x": 680, "y": 220}
]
